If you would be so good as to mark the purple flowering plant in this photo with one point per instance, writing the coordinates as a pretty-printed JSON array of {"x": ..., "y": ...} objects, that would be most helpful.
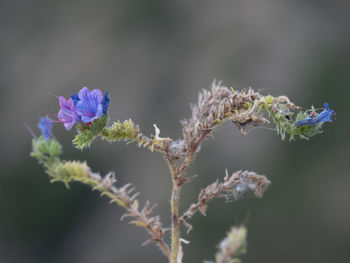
[
  {"x": 85, "y": 107},
  {"x": 314, "y": 118},
  {"x": 88, "y": 110}
]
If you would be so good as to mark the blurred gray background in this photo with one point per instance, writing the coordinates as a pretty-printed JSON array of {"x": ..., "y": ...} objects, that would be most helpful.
[{"x": 154, "y": 57}]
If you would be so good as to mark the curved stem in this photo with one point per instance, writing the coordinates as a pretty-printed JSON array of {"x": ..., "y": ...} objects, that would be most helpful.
[{"x": 131, "y": 209}]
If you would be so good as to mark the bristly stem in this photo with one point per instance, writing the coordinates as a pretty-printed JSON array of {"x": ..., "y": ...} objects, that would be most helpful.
[
  {"x": 177, "y": 175},
  {"x": 175, "y": 226},
  {"x": 175, "y": 229}
]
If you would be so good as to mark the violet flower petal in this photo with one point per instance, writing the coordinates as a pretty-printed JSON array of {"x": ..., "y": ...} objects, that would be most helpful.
[
  {"x": 67, "y": 113},
  {"x": 89, "y": 106}
]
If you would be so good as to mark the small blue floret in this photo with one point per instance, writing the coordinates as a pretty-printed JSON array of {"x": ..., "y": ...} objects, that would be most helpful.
[
  {"x": 44, "y": 125},
  {"x": 306, "y": 121},
  {"x": 75, "y": 98},
  {"x": 105, "y": 103},
  {"x": 324, "y": 116}
]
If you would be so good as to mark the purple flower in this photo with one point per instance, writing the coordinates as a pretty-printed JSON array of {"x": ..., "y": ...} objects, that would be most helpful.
[
  {"x": 105, "y": 102},
  {"x": 67, "y": 113},
  {"x": 86, "y": 106},
  {"x": 45, "y": 125},
  {"x": 89, "y": 107},
  {"x": 324, "y": 116}
]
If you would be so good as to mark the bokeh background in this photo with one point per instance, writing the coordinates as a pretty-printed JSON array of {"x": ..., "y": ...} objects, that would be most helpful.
[{"x": 154, "y": 57}]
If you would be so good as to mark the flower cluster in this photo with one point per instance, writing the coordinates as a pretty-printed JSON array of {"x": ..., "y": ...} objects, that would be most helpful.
[
  {"x": 312, "y": 119},
  {"x": 86, "y": 106}
]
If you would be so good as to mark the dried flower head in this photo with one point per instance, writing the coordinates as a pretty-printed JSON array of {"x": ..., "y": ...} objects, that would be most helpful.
[{"x": 233, "y": 188}]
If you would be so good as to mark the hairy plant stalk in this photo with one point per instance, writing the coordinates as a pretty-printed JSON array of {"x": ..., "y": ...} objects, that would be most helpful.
[
  {"x": 175, "y": 228},
  {"x": 178, "y": 180},
  {"x": 175, "y": 225}
]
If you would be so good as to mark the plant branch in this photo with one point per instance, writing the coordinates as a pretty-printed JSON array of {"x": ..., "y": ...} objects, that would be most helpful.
[
  {"x": 232, "y": 188},
  {"x": 130, "y": 132},
  {"x": 47, "y": 153},
  {"x": 175, "y": 224},
  {"x": 122, "y": 196}
]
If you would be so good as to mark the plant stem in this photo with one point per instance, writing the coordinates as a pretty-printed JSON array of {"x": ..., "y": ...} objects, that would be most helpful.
[
  {"x": 175, "y": 199},
  {"x": 175, "y": 226},
  {"x": 175, "y": 229}
]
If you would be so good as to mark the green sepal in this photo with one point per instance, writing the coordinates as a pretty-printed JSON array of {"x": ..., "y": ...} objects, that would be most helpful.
[
  {"x": 120, "y": 131},
  {"x": 45, "y": 150},
  {"x": 305, "y": 131},
  {"x": 88, "y": 133}
]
